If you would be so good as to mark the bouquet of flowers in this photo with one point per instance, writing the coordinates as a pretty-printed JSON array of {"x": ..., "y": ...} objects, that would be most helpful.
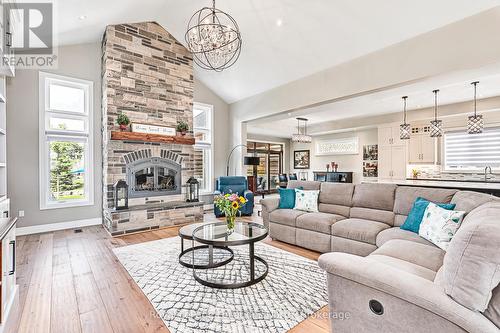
[{"x": 230, "y": 204}]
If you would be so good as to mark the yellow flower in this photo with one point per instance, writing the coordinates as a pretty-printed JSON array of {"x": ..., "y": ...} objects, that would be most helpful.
[
  {"x": 242, "y": 200},
  {"x": 235, "y": 205}
]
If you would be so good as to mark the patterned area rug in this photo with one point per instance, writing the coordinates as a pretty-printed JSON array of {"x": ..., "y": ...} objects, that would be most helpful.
[{"x": 294, "y": 288}]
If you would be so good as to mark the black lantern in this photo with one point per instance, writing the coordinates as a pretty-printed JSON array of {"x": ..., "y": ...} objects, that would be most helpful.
[
  {"x": 193, "y": 190},
  {"x": 121, "y": 195}
]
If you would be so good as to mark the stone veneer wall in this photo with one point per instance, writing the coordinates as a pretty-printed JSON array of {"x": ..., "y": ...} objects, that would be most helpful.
[{"x": 148, "y": 75}]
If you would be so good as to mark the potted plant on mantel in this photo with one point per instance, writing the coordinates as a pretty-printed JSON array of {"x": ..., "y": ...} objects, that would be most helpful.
[
  {"x": 182, "y": 127},
  {"x": 123, "y": 121}
]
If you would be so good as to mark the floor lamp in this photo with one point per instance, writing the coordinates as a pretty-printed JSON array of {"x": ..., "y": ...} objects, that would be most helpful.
[{"x": 247, "y": 160}]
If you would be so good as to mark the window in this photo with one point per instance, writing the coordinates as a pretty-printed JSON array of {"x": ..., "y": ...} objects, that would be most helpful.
[
  {"x": 203, "y": 152},
  {"x": 472, "y": 152},
  {"x": 66, "y": 177}
]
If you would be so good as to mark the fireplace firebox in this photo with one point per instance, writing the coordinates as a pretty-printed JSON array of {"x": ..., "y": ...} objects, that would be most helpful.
[{"x": 153, "y": 177}]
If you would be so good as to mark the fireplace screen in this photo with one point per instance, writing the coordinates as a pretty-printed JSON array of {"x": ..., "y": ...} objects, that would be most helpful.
[{"x": 152, "y": 177}]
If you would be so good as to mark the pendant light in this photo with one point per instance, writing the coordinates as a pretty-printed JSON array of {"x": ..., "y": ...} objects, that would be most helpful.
[
  {"x": 301, "y": 135},
  {"x": 404, "y": 128},
  {"x": 436, "y": 124},
  {"x": 475, "y": 124}
]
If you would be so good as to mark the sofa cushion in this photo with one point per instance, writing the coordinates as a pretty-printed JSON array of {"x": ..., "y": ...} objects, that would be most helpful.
[
  {"x": 320, "y": 222},
  {"x": 493, "y": 310},
  {"x": 468, "y": 200},
  {"x": 305, "y": 184},
  {"x": 398, "y": 233},
  {"x": 430, "y": 257},
  {"x": 334, "y": 209},
  {"x": 376, "y": 196},
  {"x": 406, "y": 196},
  {"x": 472, "y": 262},
  {"x": 358, "y": 229},
  {"x": 399, "y": 220},
  {"x": 378, "y": 215},
  {"x": 336, "y": 194},
  {"x": 403, "y": 265},
  {"x": 285, "y": 216}
]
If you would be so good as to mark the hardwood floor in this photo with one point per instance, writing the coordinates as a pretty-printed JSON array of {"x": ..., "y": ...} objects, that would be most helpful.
[{"x": 72, "y": 282}]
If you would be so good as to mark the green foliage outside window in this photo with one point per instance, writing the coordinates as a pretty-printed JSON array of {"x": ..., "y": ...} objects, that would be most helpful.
[{"x": 65, "y": 181}]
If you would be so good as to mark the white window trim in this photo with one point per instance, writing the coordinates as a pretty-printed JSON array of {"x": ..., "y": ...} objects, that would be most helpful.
[
  {"x": 44, "y": 161},
  {"x": 210, "y": 146}
]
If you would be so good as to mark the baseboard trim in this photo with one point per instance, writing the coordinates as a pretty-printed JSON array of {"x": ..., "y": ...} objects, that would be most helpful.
[{"x": 37, "y": 229}]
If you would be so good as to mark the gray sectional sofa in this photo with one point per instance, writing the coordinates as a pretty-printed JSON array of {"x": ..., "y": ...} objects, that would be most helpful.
[{"x": 385, "y": 279}]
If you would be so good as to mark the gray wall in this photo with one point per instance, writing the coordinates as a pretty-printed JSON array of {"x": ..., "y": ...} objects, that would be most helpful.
[{"x": 80, "y": 61}]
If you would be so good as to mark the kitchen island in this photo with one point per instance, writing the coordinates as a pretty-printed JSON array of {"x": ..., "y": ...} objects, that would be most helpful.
[{"x": 491, "y": 187}]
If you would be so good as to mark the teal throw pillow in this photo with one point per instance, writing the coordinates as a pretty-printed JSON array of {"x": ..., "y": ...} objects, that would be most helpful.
[
  {"x": 416, "y": 214},
  {"x": 287, "y": 198}
]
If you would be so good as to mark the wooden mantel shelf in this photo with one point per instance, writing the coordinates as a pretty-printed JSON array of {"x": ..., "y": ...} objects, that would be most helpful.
[{"x": 146, "y": 137}]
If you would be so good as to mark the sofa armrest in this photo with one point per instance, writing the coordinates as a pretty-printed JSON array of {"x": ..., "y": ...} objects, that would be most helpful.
[
  {"x": 405, "y": 286},
  {"x": 270, "y": 204}
]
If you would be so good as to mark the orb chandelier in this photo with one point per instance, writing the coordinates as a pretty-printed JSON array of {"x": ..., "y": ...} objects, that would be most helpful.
[
  {"x": 301, "y": 135},
  {"x": 214, "y": 39}
]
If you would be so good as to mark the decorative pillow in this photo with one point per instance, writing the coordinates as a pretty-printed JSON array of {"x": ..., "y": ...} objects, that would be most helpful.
[
  {"x": 416, "y": 214},
  {"x": 287, "y": 198},
  {"x": 306, "y": 200},
  {"x": 440, "y": 225}
]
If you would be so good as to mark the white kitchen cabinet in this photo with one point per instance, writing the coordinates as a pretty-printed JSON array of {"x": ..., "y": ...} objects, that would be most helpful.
[
  {"x": 391, "y": 153},
  {"x": 9, "y": 300},
  {"x": 388, "y": 135},
  {"x": 421, "y": 147}
]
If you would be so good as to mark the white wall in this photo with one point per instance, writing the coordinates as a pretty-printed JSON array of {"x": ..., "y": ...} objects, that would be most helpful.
[{"x": 352, "y": 163}]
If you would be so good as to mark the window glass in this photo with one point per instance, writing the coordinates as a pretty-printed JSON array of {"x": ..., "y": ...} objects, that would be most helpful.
[
  {"x": 67, "y": 170},
  {"x": 63, "y": 98},
  {"x": 68, "y": 124},
  {"x": 202, "y": 129}
]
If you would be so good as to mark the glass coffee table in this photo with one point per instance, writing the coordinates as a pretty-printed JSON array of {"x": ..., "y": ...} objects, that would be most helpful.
[
  {"x": 216, "y": 235},
  {"x": 186, "y": 233}
]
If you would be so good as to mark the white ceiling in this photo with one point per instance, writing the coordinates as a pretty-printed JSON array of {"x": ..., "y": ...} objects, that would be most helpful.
[
  {"x": 454, "y": 88},
  {"x": 314, "y": 35}
]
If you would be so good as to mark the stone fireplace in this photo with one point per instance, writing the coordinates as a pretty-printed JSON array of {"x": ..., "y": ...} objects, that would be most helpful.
[{"x": 148, "y": 76}]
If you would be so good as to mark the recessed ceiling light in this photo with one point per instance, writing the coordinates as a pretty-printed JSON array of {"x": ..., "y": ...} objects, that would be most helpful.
[
  {"x": 82, "y": 17},
  {"x": 279, "y": 22}
]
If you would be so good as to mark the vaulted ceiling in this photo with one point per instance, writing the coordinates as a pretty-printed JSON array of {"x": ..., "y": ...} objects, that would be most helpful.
[{"x": 283, "y": 40}]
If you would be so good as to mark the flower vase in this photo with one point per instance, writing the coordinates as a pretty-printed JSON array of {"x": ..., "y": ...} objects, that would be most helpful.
[{"x": 230, "y": 224}]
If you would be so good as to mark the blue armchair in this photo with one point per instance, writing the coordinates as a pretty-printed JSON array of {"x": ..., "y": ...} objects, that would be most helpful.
[{"x": 234, "y": 184}]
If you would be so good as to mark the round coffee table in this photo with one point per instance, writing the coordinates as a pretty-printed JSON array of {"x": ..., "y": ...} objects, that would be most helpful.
[
  {"x": 215, "y": 234},
  {"x": 186, "y": 232}
]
